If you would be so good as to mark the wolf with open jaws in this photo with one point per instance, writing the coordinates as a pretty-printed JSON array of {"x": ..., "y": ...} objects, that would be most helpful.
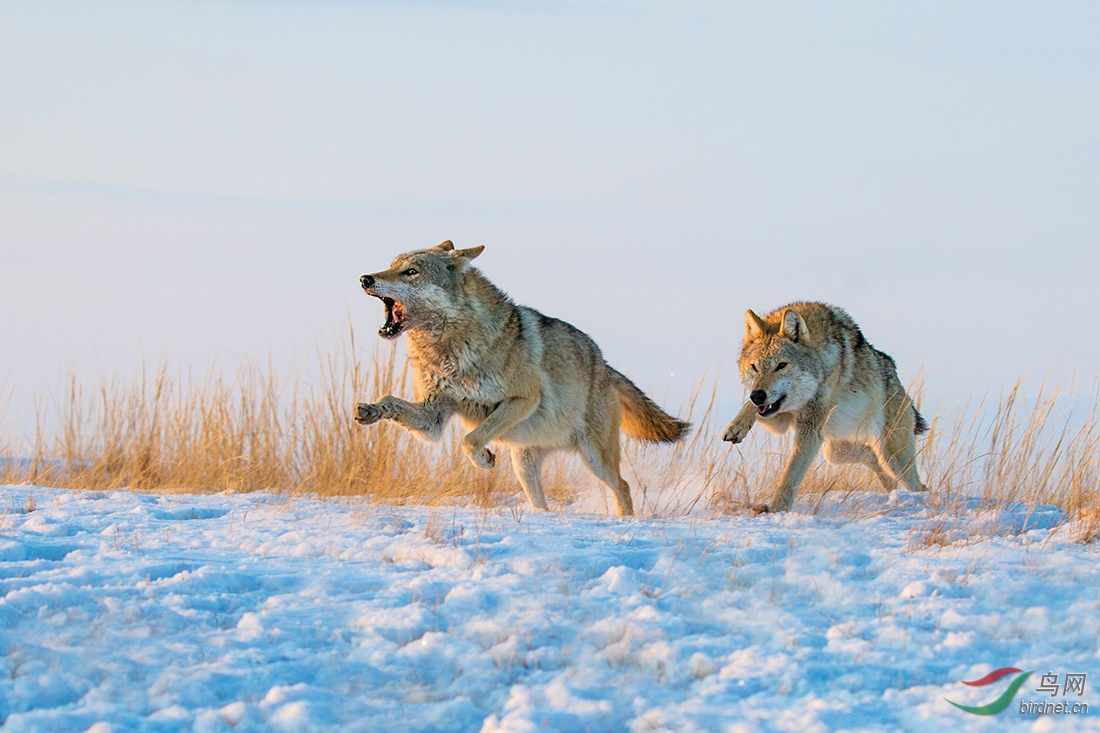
[
  {"x": 808, "y": 366},
  {"x": 512, "y": 375}
]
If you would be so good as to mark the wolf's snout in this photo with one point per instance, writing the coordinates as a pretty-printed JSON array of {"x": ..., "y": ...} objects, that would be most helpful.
[
  {"x": 758, "y": 396},
  {"x": 367, "y": 281}
]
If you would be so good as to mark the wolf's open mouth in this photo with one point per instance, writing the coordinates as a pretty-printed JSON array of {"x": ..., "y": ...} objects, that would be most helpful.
[
  {"x": 770, "y": 409},
  {"x": 395, "y": 318}
]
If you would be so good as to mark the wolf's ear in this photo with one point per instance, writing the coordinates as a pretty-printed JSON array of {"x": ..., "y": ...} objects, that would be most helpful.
[
  {"x": 468, "y": 254},
  {"x": 793, "y": 327},
  {"x": 754, "y": 326},
  {"x": 446, "y": 246}
]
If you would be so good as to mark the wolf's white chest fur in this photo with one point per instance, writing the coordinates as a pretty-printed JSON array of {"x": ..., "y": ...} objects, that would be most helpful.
[
  {"x": 856, "y": 414},
  {"x": 462, "y": 382}
]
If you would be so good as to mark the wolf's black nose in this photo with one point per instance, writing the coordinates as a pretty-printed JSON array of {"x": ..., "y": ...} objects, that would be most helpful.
[
  {"x": 757, "y": 397},
  {"x": 367, "y": 281}
]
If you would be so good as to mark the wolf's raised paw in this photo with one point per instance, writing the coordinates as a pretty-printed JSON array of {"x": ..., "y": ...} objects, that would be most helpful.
[
  {"x": 480, "y": 457},
  {"x": 485, "y": 458},
  {"x": 736, "y": 432},
  {"x": 367, "y": 414},
  {"x": 759, "y": 509}
]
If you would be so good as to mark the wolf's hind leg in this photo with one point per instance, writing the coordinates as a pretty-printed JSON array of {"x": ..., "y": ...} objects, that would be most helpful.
[
  {"x": 424, "y": 419},
  {"x": 844, "y": 451},
  {"x": 527, "y": 463},
  {"x": 899, "y": 454},
  {"x": 602, "y": 459}
]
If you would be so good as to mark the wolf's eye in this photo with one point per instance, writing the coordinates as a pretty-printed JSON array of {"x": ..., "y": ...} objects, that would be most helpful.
[
  {"x": 780, "y": 366},
  {"x": 753, "y": 367},
  {"x": 410, "y": 272}
]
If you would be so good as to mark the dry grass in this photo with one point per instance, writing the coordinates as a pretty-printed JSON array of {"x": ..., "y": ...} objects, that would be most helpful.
[
  {"x": 1039, "y": 451},
  {"x": 247, "y": 432},
  {"x": 253, "y": 430}
]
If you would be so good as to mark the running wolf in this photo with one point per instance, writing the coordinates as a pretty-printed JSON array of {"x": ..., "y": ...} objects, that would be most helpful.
[
  {"x": 808, "y": 366},
  {"x": 513, "y": 376}
]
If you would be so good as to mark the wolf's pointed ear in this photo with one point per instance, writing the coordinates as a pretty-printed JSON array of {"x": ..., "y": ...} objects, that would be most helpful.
[
  {"x": 468, "y": 254},
  {"x": 754, "y": 326},
  {"x": 793, "y": 327},
  {"x": 445, "y": 246}
]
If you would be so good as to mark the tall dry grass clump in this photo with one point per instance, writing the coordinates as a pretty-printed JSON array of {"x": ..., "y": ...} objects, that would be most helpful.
[
  {"x": 254, "y": 430},
  {"x": 249, "y": 431},
  {"x": 1000, "y": 453}
]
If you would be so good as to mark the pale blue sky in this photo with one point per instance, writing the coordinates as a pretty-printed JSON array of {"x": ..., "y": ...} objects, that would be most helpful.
[{"x": 185, "y": 179}]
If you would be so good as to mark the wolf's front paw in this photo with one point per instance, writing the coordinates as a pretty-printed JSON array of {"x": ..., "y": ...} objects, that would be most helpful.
[
  {"x": 479, "y": 456},
  {"x": 367, "y": 414},
  {"x": 738, "y": 430}
]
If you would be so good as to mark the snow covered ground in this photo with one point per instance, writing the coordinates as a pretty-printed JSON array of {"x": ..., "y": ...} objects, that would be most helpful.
[{"x": 128, "y": 611}]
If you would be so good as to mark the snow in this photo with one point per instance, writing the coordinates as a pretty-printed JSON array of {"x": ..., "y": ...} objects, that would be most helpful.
[{"x": 130, "y": 611}]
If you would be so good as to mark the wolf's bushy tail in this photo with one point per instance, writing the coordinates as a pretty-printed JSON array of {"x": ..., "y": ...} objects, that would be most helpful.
[
  {"x": 642, "y": 418},
  {"x": 920, "y": 425}
]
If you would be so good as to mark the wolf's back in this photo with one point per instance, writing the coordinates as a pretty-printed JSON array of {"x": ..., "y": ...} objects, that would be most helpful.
[{"x": 642, "y": 418}]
